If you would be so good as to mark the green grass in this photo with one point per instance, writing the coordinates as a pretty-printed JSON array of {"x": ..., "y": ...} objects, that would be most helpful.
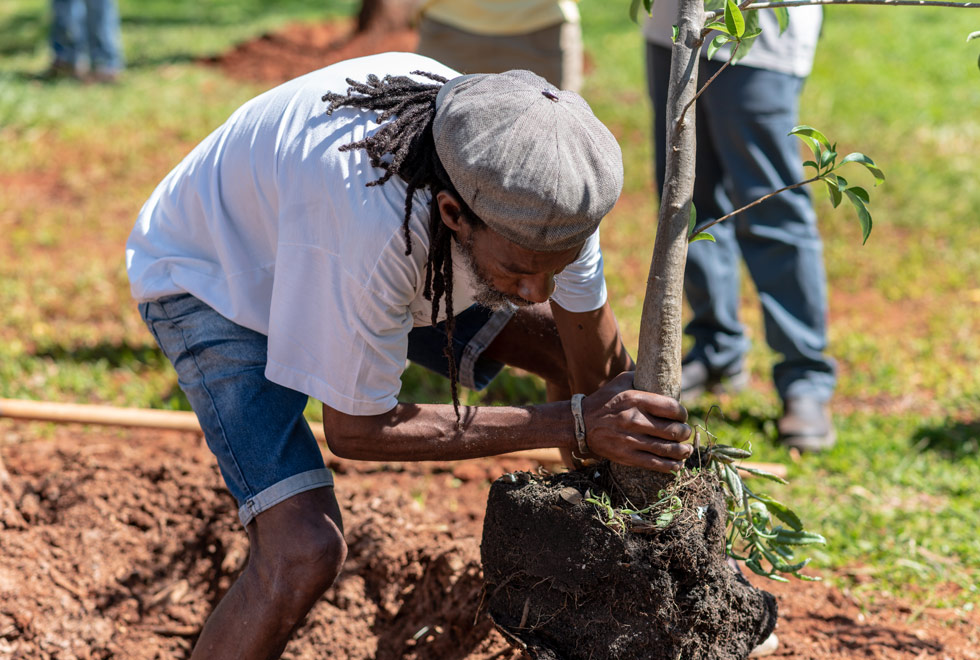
[{"x": 896, "y": 499}]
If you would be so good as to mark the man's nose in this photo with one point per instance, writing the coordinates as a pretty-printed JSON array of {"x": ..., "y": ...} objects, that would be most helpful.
[{"x": 537, "y": 288}]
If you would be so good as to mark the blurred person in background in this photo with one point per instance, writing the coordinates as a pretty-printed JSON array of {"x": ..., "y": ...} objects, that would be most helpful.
[
  {"x": 480, "y": 36},
  {"x": 85, "y": 40},
  {"x": 744, "y": 152}
]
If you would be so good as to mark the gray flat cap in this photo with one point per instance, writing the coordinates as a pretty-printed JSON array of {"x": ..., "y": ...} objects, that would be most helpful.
[{"x": 533, "y": 162}]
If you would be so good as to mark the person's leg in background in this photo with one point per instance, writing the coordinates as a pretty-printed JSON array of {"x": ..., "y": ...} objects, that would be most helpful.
[
  {"x": 751, "y": 112},
  {"x": 68, "y": 42},
  {"x": 105, "y": 49},
  {"x": 711, "y": 279}
]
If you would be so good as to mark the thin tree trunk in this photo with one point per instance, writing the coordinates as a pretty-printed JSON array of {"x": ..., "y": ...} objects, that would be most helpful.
[{"x": 658, "y": 366}]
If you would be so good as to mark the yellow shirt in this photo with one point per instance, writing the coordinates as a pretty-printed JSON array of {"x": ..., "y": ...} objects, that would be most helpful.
[{"x": 501, "y": 17}]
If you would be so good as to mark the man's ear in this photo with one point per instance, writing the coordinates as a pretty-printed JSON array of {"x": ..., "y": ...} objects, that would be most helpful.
[{"x": 450, "y": 209}]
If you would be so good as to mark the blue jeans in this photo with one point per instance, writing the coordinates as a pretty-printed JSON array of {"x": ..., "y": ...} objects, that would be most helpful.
[
  {"x": 743, "y": 153},
  {"x": 86, "y": 33},
  {"x": 254, "y": 427}
]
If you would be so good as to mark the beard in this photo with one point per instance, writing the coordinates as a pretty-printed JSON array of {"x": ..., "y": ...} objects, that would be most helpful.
[{"x": 484, "y": 292}]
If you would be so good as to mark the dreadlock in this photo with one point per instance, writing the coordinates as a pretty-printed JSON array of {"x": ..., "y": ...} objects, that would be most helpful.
[{"x": 407, "y": 138}]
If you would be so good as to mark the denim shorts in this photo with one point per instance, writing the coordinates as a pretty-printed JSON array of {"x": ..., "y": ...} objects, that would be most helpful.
[{"x": 256, "y": 429}]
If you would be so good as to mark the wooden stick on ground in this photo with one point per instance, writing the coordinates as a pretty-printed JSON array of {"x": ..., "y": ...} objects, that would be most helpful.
[{"x": 178, "y": 420}]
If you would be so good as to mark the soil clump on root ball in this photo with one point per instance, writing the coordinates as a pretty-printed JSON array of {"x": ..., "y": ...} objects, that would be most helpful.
[{"x": 565, "y": 581}]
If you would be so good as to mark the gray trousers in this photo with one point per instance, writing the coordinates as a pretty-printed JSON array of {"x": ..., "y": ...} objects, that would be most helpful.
[{"x": 744, "y": 152}]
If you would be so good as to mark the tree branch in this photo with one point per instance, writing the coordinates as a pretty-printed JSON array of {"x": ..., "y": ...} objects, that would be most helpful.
[
  {"x": 724, "y": 66},
  {"x": 711, "y": 15},
  {"x": 750, "y": 205}
]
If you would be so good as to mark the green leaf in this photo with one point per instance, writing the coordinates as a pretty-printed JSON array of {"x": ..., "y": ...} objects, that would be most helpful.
[
  {"x": 782, "y": 17},
  {"x": 783, "y": 551},
  {"x": 814, "y": 146},
  {"x": 734, "y": 483},
  {"x": 717, "y": 25},
  {"x": 717, "y": 43},
  {"x": 734, "y": 19},
  {"x": 857, "y": 157},
  {"x": 810, "y": 132},
  {"x": 702, "y": 236},
  {"x": 692, "y": 218},
  {"x": 635, "y": 10},
  {"x": 648, "y": 5},
  {"x": 673, "y": 33},
  {"x": 864, "y": 217},
  {"x": 779, "y": 564},
  {"x": 860, "y": 192},
  {"x": 834, "y": 186},
  {"x": 754, "y": 564},
  {"x": 810, "y": 163},
  {"x": 731, "y": 452},
  {"x": 827, "y": 158},
  {"x": 749, "y": 35},
  {"x": 781, "y": 511},
  {"x": 762, "y": 473},
  {"x": 787, "y": 537},
  {"x": 808, "y": 578}
]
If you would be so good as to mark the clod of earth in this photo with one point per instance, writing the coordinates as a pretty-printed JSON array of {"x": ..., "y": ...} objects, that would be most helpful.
[{"x": 563, "y": 585}]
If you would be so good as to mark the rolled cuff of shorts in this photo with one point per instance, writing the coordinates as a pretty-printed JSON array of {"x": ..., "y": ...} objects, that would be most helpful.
[
  {"x": 469, "y": 376},
  {"x": 282, "y": 491}
]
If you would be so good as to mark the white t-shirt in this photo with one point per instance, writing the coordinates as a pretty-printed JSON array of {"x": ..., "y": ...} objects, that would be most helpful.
[
  {"x": 791, "y": 52},
  {"x": 269, "y": 223}
]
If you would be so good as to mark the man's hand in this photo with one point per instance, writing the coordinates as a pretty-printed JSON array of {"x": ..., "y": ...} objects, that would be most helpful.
[{"x": 636, "y": 428}]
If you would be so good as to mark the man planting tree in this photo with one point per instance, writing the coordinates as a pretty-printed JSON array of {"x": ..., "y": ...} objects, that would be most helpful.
[{"x": 342, "y": 223}]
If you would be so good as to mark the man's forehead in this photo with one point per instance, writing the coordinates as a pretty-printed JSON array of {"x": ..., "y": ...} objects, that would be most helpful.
[{"x": 523, "y": 261}]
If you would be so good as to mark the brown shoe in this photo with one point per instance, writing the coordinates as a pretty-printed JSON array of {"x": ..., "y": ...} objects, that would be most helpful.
[
  {"x": 103, "y": 77},
  {"x": 61, "y": 70},
  {"x": 806, "y": 425}
]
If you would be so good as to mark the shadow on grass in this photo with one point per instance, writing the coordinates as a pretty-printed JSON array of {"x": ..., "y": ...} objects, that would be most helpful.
[
  {"x": 952, "y": 440},
  {"x": 134, "y": 64},
  {"x": 714, "y": 416},
  {"x": 114, "y": 355},
  {"x": 511, "y": 387}
]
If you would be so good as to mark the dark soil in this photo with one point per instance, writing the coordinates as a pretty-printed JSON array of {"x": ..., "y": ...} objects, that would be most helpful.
[{"x": 568, "y": 587}]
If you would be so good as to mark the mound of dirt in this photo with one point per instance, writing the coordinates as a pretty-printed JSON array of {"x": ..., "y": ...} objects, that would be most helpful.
[
  {"x": 120, "y": 549},
  {"x": 303, "y": 47}
]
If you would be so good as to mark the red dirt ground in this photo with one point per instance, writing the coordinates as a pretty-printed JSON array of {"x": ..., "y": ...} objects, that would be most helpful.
[{"x": 117, "y": 544}]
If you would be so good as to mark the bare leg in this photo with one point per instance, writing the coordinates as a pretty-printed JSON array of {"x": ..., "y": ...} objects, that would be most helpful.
[{"x": 296, "y": 551}]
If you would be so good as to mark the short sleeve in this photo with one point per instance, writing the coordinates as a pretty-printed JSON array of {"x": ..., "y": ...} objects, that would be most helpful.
[{"x": 581, "y": 287}]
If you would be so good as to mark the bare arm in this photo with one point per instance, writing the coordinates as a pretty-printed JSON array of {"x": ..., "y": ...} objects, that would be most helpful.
[
  {"x": 624, "y": 425},
  {"x": 427, "y": 432},
  {"x": 593, "y": 347}
]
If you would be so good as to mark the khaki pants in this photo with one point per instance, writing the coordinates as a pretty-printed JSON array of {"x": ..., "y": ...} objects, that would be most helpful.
[{"x": 554, "y": 53}]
